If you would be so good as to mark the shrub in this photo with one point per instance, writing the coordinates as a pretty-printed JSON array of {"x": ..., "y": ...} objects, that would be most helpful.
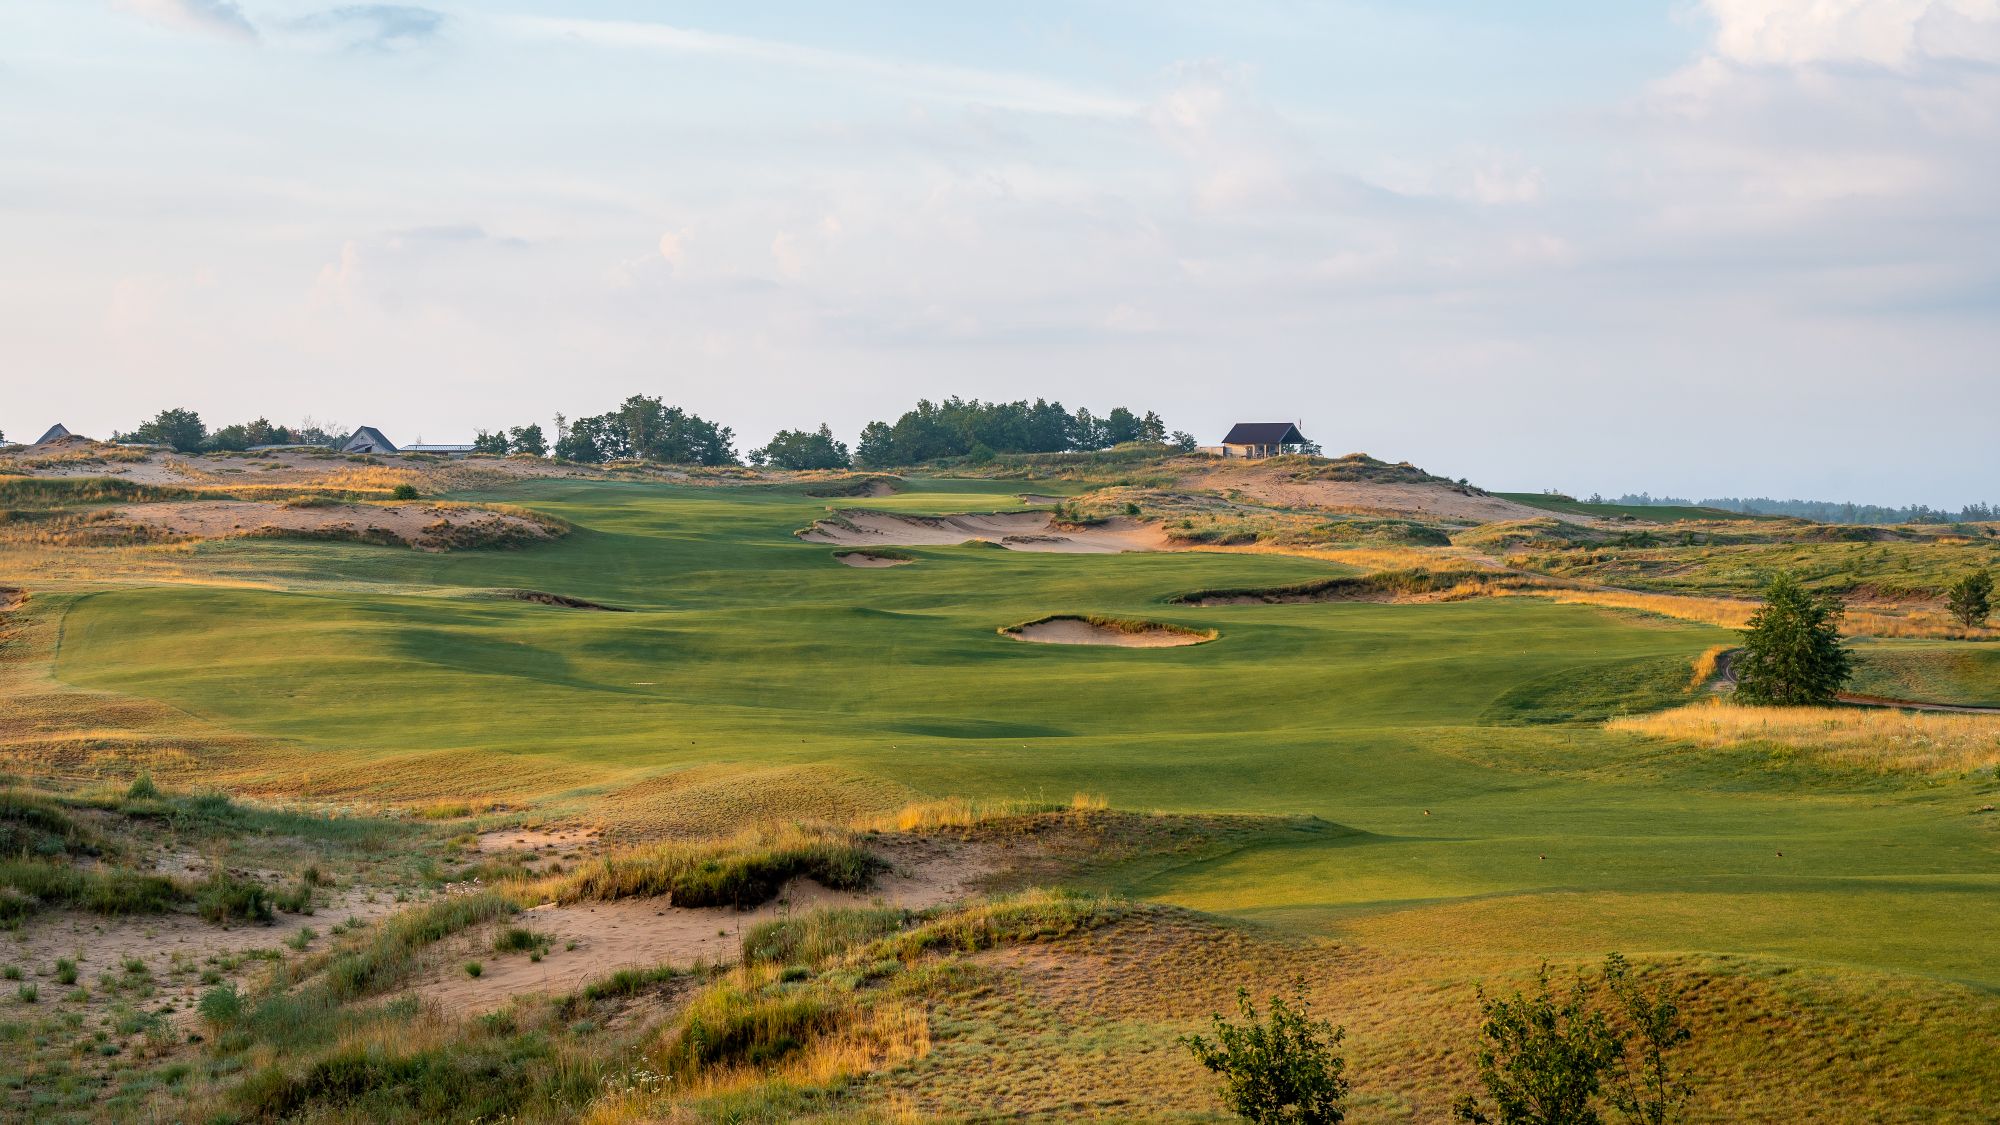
[
  {"x": 224, "y": 898},
  {"x": 1653, "y": 1092},
  {"x": 728, "y": 1025},
  {"x": 519, "y": 939},
  {"x": 1541, "y": 1060},
  {"x": 142, "y": 788},
  {"x": 403, "y": 492},
  {"x": 474, "y": 968},
  {"x": 221, "y": 1006},
  {"x": 1284, "y": 1071}
]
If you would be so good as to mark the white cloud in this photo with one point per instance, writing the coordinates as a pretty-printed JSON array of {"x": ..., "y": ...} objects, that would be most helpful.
[
  {"x": 1893, "y": 33},
  {"x": 216, "y": 17}
]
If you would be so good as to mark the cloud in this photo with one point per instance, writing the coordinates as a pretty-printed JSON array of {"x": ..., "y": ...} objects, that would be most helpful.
[
  {"x": 1003, "y": 89},
  {"x": 214, "y": 17},
  {"x": 376, "y": 27},
  {"x": 1891, "y": 33}
]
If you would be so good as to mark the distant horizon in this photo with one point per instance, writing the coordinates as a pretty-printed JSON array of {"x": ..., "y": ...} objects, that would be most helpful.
[
  {"x": 1708, "y": 247},
  {"x": 745, "y": 442}
]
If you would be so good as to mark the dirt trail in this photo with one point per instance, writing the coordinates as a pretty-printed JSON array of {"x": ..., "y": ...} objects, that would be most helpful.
[{"x": 1016, "y": 531}]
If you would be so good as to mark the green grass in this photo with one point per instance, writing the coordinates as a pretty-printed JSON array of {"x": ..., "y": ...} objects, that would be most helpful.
[
  {"x": 748, "y": 650},
  {"x": 1655, "y": 513},
  {"x": 1953, "y": 672}
]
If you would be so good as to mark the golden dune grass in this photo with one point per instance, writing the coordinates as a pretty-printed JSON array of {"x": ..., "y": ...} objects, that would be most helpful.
[
  {"x": 959, "y": 812},
  {"x": 1879, "y": 739},
  {"x": 1705, "y": 666}
]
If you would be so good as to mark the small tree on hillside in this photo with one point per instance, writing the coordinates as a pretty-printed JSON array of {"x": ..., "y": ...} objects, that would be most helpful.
[
  {"x": 803, "y": 449},
  {"x": 1970, "y": 599},
  {"x": 528, "y": 439},
  {"x": 496, "y": 442},
  {"x": 1652, "y": 1091},
  {"x": 1284, "y": 1071},
  {"x": 1792, "y": 656},
  {"x": 1543, "y": 1061}
]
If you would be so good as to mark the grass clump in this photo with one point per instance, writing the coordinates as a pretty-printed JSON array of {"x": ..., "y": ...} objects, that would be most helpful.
[
  {"x": 224, "y": 898},
  {"x": 741, "y": 872},
  {"x": 736, "y": 1024},
  {"x": 520, "y": 939},
  {"x": 820, "y": 936},
  {"x": 27, "y": 886}
]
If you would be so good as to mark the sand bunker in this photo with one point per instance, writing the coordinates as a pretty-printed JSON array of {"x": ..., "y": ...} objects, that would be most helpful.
[
  {"x": 1016, "y": 531},
  {"x": 872, "y": 560},
  {"x": 427, "y": 526},
  {"x": 592, "y": 940},
  {"x": 542, "y": 597},
  {"x": 1070, "y": 630}
]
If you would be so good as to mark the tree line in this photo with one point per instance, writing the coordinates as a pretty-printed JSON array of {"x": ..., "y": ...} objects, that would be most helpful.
[
  {"x": 646, "y": 428},
  {"x": 1828, "y": 511},
  {"x": 183, "y": 431}
]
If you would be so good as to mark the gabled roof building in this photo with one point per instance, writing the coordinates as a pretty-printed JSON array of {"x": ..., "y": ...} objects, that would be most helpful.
[{"x": 368, "y": 439}]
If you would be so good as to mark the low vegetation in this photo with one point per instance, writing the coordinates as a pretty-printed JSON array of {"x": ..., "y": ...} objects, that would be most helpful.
[
  {"x": 1876, "y": 739},
  {"x": 741, "y": 872}
]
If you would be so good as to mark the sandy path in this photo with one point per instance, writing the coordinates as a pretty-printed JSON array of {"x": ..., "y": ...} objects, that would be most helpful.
[
  {"x": 1017, "y": 531},
  {"x": 643, "y": 933}
]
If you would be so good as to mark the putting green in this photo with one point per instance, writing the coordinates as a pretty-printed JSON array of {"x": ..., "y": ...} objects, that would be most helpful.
[{"x": 1545, "y": 834}]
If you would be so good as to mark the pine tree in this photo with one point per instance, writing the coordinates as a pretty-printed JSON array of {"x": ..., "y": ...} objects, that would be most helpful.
[
  {"x": 1792, "y": 656},
  {"x": 1970, "y": 599}
]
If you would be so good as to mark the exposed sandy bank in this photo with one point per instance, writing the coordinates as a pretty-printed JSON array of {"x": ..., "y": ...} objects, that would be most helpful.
[
  {"x": 1081, "y": 631},
  {"x": 642, "y": 933},
  {"x": 1016, "y": 531},
  {"x": 869, "y": 561},
  {"x": 418, "y": 525},
  {"x": 1436, "y": 501}
]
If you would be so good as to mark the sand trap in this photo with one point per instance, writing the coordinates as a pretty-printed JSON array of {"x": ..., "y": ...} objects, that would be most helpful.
[
  {"x": 418, "y": 525},
  {"x": 1119, "y": 634},
  {"x": 1016, "y": 531},
  {"x": 542, "y": 597},
  {"x": 869, "y": 560},
  {"x": 642, "y": 933}
]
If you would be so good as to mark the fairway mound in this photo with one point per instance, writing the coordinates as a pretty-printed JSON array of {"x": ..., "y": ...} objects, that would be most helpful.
[
  {"x": 1416, "y": 584},
  {"x": 542, "y": 597},
  {"x": 1070, "y": 629},
  {"x": 873, "y": 560},
  {"x": 1358, "y": 483},
  {"x": 429, "y": 527},
  {"x": 845, "y": 487},
  {"x": 1016, "y": 531}
]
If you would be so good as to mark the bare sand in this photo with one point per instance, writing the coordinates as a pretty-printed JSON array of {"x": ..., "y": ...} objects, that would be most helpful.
[
  {"x": 1435, "y": 501},
  {"x": 1016, "y": 531},
  {"x": 1077, "y": 631},
  {"x": 643, "y": 933},
  {"x": 867, "y": 561},
  {"x": 413, "y": 524}
]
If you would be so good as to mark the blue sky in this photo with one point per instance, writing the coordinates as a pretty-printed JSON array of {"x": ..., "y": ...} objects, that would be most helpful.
[{"x": 1714, "y": 247}]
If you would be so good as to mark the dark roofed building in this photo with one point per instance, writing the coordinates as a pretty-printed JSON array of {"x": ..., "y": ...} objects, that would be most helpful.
[
  {"x": 1262, "y": 439},
  {"x": 368, "y": 439},
  {"x": 56, "y": 431}
]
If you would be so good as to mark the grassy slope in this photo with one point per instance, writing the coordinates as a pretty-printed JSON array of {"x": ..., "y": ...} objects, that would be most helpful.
[
  {"x": 1656, "y": 513},
  {"x": 750, "y": 647},
  {"x": 1929, "y": 671}
]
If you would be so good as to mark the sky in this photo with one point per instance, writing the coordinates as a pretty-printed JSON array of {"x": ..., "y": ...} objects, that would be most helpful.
[{"x": 1692, "y": 247}]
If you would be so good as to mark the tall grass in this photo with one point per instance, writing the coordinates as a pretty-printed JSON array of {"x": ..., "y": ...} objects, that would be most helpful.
[
  {"x": 742, "y": 871},
  {"x": 1871, "y": 738},
  {"x": 1705, "y": 667}
]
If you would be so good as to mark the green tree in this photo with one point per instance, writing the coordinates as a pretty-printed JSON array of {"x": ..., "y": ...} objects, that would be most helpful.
[
  {"x": 803, "y": 449},
  {"x": 1284, "y": 1071},
  {"x": 1792, "y": 656},
  {"x": 528, "y": 439},
  {"x": 182, "y": 430},
  {"x": 483, "y": 442},
  {"x": 1653, "y": 1091},
  {"x": 1542, "y": 1060},
  {"x": 1970, "y": 599}
]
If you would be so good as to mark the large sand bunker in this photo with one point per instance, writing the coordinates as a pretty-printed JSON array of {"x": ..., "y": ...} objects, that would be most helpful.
[
  {"x": 426, "y": 526},
  {"x": 1016, "y": 531},
  {"x": 1064, "y": 629}
]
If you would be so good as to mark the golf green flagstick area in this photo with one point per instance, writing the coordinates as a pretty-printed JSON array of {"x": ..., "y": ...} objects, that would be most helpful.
[{"x": 1460, "y": 794}]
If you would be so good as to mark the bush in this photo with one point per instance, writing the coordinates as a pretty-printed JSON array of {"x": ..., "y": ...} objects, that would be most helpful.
[
  {"x": 727, "y": 1025},
  {"x": 403, "y": 492},
  {"x": 1284, "y": 1071},
  {"x": 224, "y": 899},
  {"x": 474, "y": 969},
  {"x": 1542, "y": 1061},
  {"x": 519, "y": 939},
  {"x": 221, "y": 1006},
  {"x": 142, "y": 788}
]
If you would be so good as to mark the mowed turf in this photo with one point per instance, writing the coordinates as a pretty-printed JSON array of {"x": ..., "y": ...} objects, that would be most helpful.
[{"x": 1472, "y": 802}]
